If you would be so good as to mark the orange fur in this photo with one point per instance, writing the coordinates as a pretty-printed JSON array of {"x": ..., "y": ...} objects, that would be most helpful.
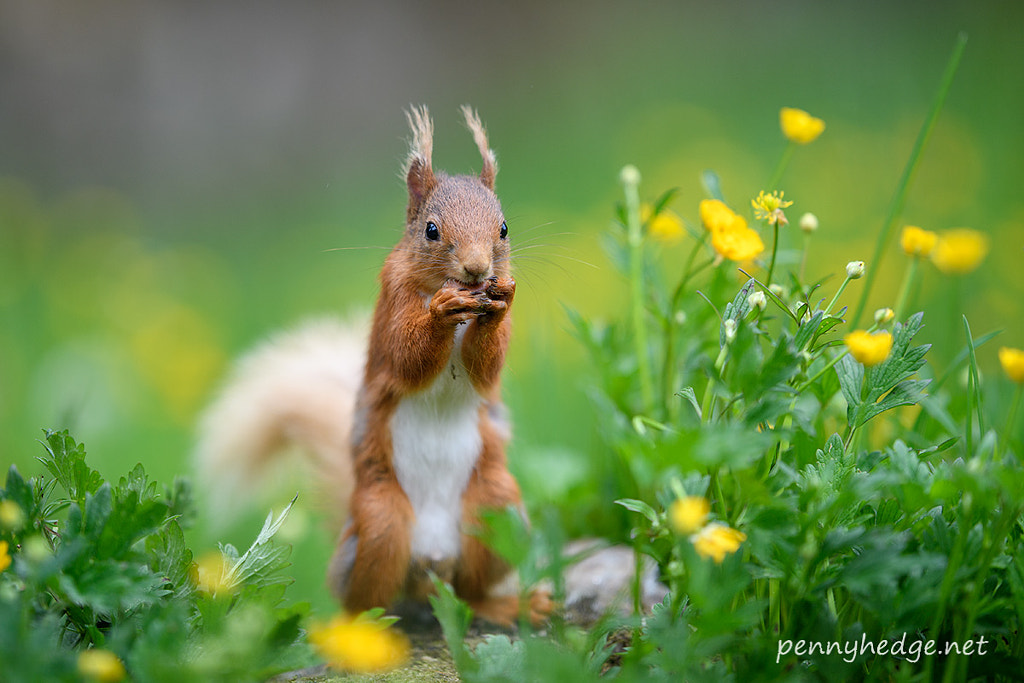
[{"x": 429, "y": 288}]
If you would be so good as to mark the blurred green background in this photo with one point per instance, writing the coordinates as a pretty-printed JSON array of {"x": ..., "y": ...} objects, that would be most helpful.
[{"x": 180, "y": 179}]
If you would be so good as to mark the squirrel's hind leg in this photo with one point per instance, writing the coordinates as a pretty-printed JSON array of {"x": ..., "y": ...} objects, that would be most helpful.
[
  {"x": 371, "y": 564},
  {"x": 481, "y": 576}
]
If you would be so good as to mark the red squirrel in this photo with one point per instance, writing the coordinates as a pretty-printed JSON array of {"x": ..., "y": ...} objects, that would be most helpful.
[{"x": 420, "y": 444}]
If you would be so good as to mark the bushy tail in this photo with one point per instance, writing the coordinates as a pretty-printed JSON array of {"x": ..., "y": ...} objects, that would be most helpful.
[{"x": 296, "y": 390}]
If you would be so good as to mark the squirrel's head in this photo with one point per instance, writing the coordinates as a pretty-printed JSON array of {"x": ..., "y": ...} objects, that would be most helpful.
[{"x": 454, "y": 224}]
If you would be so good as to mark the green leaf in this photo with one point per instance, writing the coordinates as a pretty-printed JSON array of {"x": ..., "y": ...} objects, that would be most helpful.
[
  {"x": 454, "y": 616},
  {"x": 690, "y": 395},
  {"x": 851, "y": 380},
  {"x": 662, "y": 201},
  {"x": 507, "y": 533},
  {"x": 736, "y": 310},
  {"x": 712, "y": 185},
  {"x": 641, "y": 507},
  {"x": 262, "y": 559},
  {"x": 66, "y": 462},
  {"x": 808, "y": 330}
]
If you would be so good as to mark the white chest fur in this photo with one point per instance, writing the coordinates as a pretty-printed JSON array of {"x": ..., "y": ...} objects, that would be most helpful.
[{"x": 435, "y": 440}]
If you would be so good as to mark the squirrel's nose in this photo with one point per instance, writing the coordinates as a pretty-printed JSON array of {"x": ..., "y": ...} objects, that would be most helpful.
[{"x": 477, "y": 266}]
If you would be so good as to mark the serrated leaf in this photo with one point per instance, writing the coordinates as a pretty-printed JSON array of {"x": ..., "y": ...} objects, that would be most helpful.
[
  {"x": 261, "y": 559},
  {"x": 66, "y": 462},
  {"x": 906, "y": 393}
]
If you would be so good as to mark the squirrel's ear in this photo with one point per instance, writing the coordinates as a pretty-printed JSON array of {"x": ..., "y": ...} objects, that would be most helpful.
[
  {"x": 490, "y": 169},
  {"x": 419, "y": 174}
]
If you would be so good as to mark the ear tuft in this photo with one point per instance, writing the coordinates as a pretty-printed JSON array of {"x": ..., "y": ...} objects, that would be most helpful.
[
  {"x": 490, "y": 167},
  {"x": 419, "y": 173}
]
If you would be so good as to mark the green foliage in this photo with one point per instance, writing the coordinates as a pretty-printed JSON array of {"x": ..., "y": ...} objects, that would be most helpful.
[
  {"x": 851, "y": 507},
  {"x": 101, "y": 565}
]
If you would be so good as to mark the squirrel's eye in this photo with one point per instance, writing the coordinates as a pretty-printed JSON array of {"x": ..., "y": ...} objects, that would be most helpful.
[
  {"x": 504, "y": 230},
  {"x": 432, "y": 232}
]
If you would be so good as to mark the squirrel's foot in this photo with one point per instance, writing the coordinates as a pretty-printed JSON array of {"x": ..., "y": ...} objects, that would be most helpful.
[{"x": 504, "y": 610}]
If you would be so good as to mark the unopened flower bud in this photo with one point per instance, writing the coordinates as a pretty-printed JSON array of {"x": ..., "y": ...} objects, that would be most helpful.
[
  {"x": 884, "y": 315},
  {"x": 808, "y": 223},
  {"x": 757, "y": 300},
  {"x": 854, "y": 269},
  {"x": 730, "y": 330},
  {"x": 778, "y": 290},
  {"x": 629, "y": 175}
]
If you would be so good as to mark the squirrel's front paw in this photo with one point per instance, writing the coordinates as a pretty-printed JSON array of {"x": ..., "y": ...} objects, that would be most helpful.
[
  {"x": 500, "y": 289},
  {"x": 456, "y": 305}
]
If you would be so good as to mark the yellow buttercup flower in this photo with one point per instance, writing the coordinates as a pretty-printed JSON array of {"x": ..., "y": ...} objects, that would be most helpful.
[
  {"x": 917, "y": 242},
  {"x": 867, "y": 348},
  {"x": 1012, "y": 361},
  {"x": 715, "y": 215},
  {"x": 358, "y": 645},
  {"x": 769, "y": 207},
  {"x": 717, "y": 540},
  {"x": 687, "y": 515},
  {"x": 211, "y": 573},
  {"x": 665, "y": 227},
  {"x": 959, "y": 251},
  {"x": 5, "y": 559},
  {"x": 100, "y": 665},
  {"x": 799, "y": 126},
  {"x": 11, "y": 516},
  {"x": 738, "y": 243}
]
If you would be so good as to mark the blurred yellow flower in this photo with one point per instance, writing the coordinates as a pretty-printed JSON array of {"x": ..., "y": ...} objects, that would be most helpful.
[
  {"x": 716, "y": 540},
  {"x": 176, "y": 349},
  {"x": 5, "y": 559},
  {"x": 959, "y": 251},
  {"x": 738, "y": 243},
  {"x": 715, "y": 215},
  {"x": 769, "y": 207},
  {"x": 1012, "y": 361},
  {"x": 799, "y": 126},
  {"x": 11, "y": 516},
  {"x": 867, "y": 348},
  {"x": 917, "y": 242},
  {"x": 100, "y": 665},
  {"x": 211, "y": 573},
  {"x": 359, "y": 645},
  {"x": 665, "y": 227},
  {"x": 687, "y": 515}
]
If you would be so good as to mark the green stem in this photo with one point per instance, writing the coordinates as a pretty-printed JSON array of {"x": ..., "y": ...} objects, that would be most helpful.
[
  {"x": 974, "y": 388},
  {"x": 670, "y": 325},
  {"x": 780, "y": 168},
  {"x": 1011, "y": 419},
  {"x": 909, "y": 278},
  {"x": 899, "y": 199},
  {"x": 775, "y": 251},
  {"x": 839, "y": 292},
  {"x": 631, "y": 182},
  {"x": 803, "y": 255}
]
